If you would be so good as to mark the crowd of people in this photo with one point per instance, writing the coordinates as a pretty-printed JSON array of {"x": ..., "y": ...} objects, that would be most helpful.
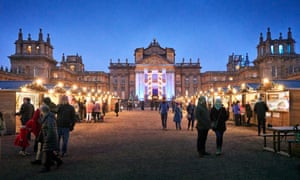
[
  {"x": 51, "y": 124},
  {"x": 213, "y": 118}
]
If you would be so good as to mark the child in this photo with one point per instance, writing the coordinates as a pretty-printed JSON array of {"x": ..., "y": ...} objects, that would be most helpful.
[
  {"x": 2, "y": 125},
  {"x": 22, "y": 141},
  {"x": 177, "y": 116}
]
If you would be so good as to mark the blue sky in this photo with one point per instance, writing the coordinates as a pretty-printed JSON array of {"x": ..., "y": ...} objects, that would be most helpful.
[{"x": 100, "y": 30}]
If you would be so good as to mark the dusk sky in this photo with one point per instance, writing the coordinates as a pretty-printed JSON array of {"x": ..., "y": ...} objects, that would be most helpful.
[{"x": 100, "y": 30}]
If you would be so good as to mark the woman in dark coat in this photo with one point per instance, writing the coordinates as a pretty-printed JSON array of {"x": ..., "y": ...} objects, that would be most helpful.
[
  {"x": 248, "y": 113},
  {"x": 117, "y": 109},
  {"x": 219, "y": 116},
  {"x": 203, "y": 125},
  {"x": 50, "y": 139}
]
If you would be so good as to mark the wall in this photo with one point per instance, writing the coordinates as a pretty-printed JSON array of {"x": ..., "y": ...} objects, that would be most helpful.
[{"x": 8, "y": 109}]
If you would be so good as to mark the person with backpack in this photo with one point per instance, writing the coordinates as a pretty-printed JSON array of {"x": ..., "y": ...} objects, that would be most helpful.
[{"x": 163, "y": 110}]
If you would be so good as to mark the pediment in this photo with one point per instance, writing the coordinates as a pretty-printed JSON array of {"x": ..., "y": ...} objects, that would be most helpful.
[
  {"x": 154, "y": 50},
  {"x": 155, "y": 59}
]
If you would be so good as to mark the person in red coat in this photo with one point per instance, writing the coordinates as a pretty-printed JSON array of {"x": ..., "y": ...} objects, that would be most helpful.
[
  {"x": 34, "y": 125},
  {"x": 22, "y": 141}
]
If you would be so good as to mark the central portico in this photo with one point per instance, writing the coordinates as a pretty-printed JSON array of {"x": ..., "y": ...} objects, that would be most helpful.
[{"x": 154, "y": 74}]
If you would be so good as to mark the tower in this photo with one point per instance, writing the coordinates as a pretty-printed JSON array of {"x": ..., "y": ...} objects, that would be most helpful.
[{"x": 33, "y": 58}]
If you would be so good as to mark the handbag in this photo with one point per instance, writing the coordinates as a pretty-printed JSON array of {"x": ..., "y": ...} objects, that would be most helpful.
[{"x": 214, "y": 124}]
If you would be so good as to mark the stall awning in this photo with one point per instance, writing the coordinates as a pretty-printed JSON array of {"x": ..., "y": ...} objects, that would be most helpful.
[{"x": 12, "y": 85}]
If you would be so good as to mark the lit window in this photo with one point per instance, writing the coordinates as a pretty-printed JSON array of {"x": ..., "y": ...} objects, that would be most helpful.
[
  {"x": 280, "y": 49},
  {"x": 72, "y": 67},
  {"x": 29, "y": 49},
  {"x": 272, "y": 49},
  {"x": 288, "y": 48}
]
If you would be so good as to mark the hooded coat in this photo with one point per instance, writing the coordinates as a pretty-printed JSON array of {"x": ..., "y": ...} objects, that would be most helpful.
[
  {"x": 49, "y": 132},
  {"x": 202, "y": 114},
  {"x": 219, "y": 114}
]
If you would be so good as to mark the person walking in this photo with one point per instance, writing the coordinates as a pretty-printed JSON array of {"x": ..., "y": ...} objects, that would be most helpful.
[
  {"x": 26, "y": 113},
  {"x": 21, "y": 140},
  {"x": 219, "y": 116},
  {"x": 260, "y": 108},
  {"x": 190, "y": 115},
  {"x": 163, "y": 110},
  {"x": 248, "y": 113},
  {"x": 34, "y": 126},
  {"x": 203, "y": 125},
  {"x": 49, "y": 136},
  {"x": 117, "y": 108},
  {"x": 36, "y": 129},
  {"x": 237, "y": 113},
  {"x": 65, "y": 123},
  {"x": 177, "y": 116}
]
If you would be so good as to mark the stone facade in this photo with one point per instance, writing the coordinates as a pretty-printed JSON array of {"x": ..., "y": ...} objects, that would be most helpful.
[{"x": 154, "y": 73}]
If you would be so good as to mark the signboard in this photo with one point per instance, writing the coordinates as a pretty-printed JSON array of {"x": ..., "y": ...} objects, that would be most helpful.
[{"x": 278, "y": 101}]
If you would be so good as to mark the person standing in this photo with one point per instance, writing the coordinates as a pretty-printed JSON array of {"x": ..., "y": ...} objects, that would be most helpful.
[
  {"x": 260, "y": 108},
  {"x": 163, "y": 110},
  {"x": 237, "y": 113},
  {"x": 248, "y": 113},
  {"x": 219, "y": 116},
  {"x": 203, "y": 125},
  {"x": 49, "y": 133},
  {"x": 89, "y": 111},
  {"x": 2, "y": 125},
  {"x": 96, "y": 110},
  {"x": 117, "y": 108},
  {"x": 65, "y": 123},
  {"x": 103, "y": 108},
  {"x": 178, "y": 116},
  {"x": 190, "y": 115},
  {"x": 26, "y": 112},
  {"x": 75, "y": 104}
]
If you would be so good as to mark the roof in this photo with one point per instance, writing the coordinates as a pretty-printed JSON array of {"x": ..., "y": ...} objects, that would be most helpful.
[
  {"x": 13, "y": 84},
  {"x": 289, "y": 84}
]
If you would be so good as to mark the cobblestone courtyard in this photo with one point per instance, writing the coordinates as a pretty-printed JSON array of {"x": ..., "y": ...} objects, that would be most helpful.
[{"x": 133, "y": 146}]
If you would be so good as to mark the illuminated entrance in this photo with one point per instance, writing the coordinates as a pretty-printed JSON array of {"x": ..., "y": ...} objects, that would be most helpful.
[{"x": 155, "y": 83}]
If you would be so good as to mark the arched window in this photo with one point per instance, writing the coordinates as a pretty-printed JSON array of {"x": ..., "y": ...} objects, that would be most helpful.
[
  {"x": 272, "y": 49},
  {"x": 288, "y": 48},
  {"x": 280, "y": 48}
]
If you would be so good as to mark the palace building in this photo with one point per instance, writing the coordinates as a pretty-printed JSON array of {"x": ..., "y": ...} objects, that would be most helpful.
[{"x": 155, "y": 72}]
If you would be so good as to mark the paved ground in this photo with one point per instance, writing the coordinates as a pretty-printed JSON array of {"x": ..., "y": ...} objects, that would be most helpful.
[{"x": 133, "y": 146}]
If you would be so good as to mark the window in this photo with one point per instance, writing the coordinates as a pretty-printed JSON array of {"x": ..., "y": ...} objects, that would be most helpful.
[
  {"x": 195, "y": 80},
  {"x": 280, "y": 49},
  {"x": 272, "y": 49},
  {"x": 274, "y": 71},
  {"x": 115, "y": 80},
  {"x": 72, "y": 67},
  {"x": 288, "y": 48},
  {"x": 29, "y": 49},
  {"x": 123, "y": 81},
  {"x": 186, "y": 80}
]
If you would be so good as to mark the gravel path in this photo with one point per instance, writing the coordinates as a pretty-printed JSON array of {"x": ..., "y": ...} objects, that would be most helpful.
[{"x": 133, "y": 146}]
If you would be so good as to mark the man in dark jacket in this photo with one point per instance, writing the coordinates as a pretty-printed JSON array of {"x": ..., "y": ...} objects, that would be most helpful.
[
  {"x": 65, "y": 123},
  {"x": 260, "y": 108},
  {"x": 26, "y": 111}
]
